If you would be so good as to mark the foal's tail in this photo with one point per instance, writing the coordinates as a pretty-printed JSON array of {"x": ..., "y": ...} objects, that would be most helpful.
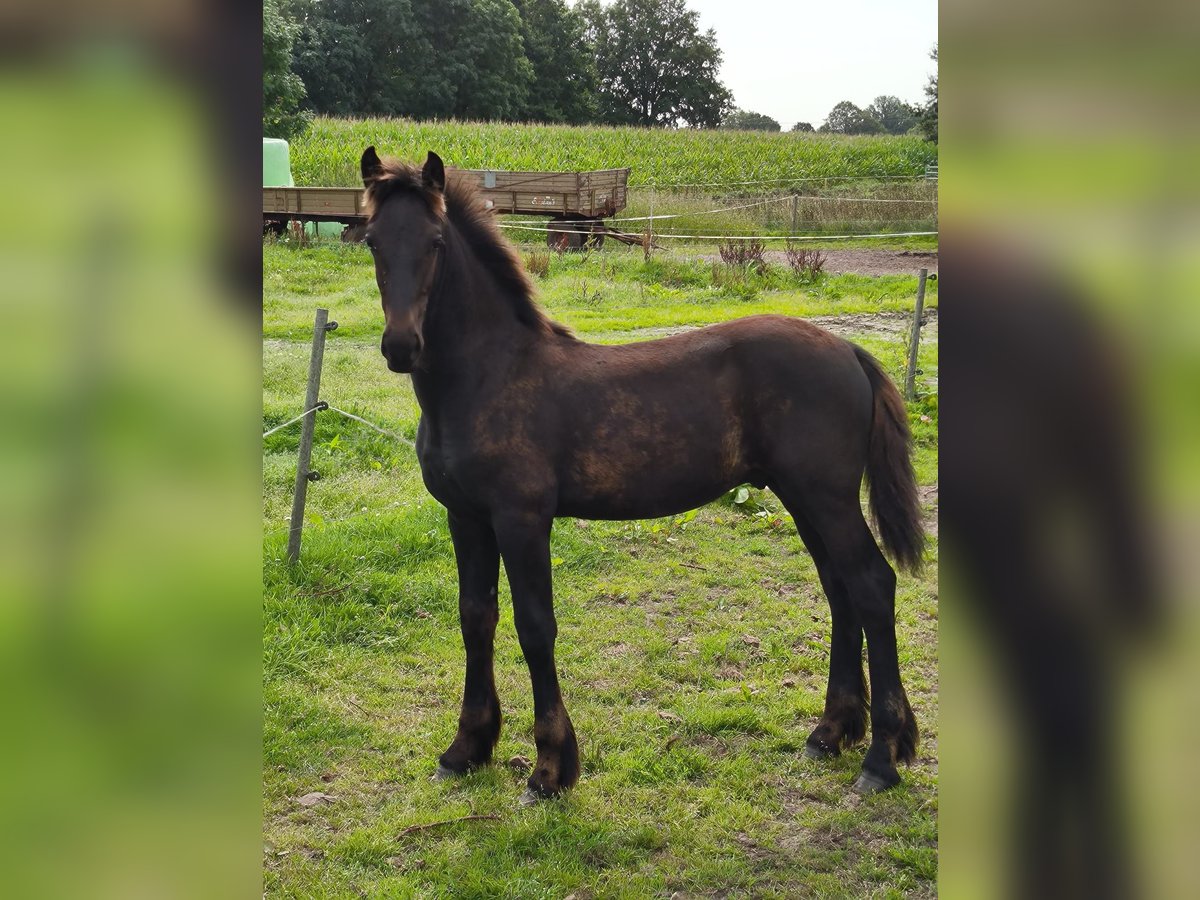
[{"x": 890, "y": 478}]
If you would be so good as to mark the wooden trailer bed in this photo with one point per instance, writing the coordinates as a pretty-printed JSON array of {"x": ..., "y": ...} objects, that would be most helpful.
[{"x": 576, "y": 202}]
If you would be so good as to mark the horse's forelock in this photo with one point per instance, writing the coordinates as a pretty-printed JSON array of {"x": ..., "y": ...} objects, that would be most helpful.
[{"x": 398, "y": 177}]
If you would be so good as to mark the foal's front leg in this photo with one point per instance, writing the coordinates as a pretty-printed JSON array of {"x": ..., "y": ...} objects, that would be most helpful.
[
  {"x": 478, "y": 560},
  {"x": 525, "y": 545}
]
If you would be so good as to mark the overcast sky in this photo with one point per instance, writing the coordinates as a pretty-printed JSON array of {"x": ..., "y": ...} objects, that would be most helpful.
[{"x": 794, "y": 59}]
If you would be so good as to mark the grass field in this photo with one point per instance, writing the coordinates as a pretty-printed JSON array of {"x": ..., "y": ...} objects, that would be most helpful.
[{"x": 693, "y": 649}]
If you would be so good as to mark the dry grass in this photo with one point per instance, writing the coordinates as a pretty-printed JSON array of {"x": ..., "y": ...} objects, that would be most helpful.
[
  {"x": 744, "y": 255},
  {"x": 806, "y": 262},
  {"x": 537, "y": 263}
]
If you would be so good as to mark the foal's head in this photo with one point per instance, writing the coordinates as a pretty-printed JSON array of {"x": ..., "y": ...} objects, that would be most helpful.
[{"x": 405, "y": 235}]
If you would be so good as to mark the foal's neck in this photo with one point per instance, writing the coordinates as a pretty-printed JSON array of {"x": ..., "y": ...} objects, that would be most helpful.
[{"x": 472, "y": 327}]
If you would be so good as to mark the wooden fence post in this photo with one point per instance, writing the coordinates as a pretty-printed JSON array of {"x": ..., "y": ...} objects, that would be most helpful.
[
  {"x": 911, "y": 374},
  {"x": 648, "y": 240},
  {"x": 795, "y": 206},
  {"x": 321, "y": 325}
]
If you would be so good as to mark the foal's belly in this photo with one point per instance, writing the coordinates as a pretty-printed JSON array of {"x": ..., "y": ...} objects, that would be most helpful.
[
  {"x": 626, "y": 507},
  {"x": 626, "y": 484},
  {"x": 673, "y": 446}
]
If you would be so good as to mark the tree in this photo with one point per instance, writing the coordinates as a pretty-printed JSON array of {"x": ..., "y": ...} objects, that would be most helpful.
[
  {"x": 477, "y": 45},
  {"x": 419, "y": 58},
  {"x": 336, "y": 66},
  {"x": 359, "y": 57},
  {"x": 893, "y": 114},
  {"x": 744, "y": 120},
  {"x": 802, "y": 126},
  {"x": 929, "y": 115},
  {"x": 564, "y": 75},
  {"x": 283, "y": 91},
  {"x": 846, "y": 118},
  {"x": 655, "y": 66}
]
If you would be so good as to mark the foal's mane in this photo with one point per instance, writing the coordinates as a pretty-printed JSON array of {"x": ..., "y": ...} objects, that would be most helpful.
[{"x": 461, "y": 204}]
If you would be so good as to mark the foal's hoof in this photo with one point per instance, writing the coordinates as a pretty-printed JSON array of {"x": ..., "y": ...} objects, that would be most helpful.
[
  {"x": 530, "y": 797},
  {"x": 534, "y": 795},
  {"x": 442, "y": 774},
  {"x": 819, "y": 750},
  {"x": 869, "y": 783}
]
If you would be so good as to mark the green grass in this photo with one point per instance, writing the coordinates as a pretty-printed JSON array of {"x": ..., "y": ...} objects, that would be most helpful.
[
  {"x": 693, "y": 779},
  {"x": 328, "y": 154},
  {"x": 598, "y": 294}
]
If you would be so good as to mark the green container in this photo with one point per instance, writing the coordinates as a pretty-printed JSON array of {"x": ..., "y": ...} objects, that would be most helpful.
[
  {"x": 277, "y": 172},
  {"x": 277, "y": 164},
  {"x": 324, "y": 229}
]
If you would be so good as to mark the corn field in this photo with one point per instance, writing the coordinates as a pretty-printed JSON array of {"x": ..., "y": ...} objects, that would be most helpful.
[
  {"x": 329, "y": 153},
  {"x": 693, "y": 182}
]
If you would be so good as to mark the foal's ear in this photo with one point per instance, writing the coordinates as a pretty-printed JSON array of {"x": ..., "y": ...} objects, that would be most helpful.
[
  {"x": 434, "y": 173},
  {"x": 372, "y": 168}
]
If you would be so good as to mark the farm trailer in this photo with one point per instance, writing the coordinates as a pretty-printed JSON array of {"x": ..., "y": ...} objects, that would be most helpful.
[{"x": 576, "y": 202}]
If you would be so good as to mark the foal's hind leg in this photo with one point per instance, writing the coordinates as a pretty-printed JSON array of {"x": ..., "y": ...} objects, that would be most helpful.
[
  {"x": 478, "y": 560},
  {"x": 870, "y": 585},
  {"x": 844, "y": 721}
]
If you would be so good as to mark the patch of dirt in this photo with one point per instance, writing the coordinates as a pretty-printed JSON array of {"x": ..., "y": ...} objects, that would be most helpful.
[
  {"x": 615, "y": 599},
  {"x": 888, "y": 325},
  {"x": 798, "y": 592},
  {"x": 655, "y": 598},
  {"x": 856, "y": 842},
  {"x": 866, "y": 261},
  {"x": 863, "y": 261},
  {"x": 795, "y": 799},
  {"x": 882, "y": 325},
  {"x": 753, "y": 849}
]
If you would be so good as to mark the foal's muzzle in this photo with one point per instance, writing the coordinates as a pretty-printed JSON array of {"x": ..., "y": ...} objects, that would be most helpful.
[{"x": 401, "y": 350}]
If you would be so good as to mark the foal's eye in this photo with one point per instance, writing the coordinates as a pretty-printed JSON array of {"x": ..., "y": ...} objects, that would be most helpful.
[{"x": 439, "y": 242}]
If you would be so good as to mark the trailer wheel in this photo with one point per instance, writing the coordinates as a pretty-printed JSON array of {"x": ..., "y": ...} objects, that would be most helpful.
[
  {"x": 276, "y": 227},
  {"x": 562, "y": 233}
]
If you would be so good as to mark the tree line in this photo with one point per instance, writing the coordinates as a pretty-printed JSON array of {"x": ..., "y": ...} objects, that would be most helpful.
[
  {"x": 885, "y": 115},
  {"x": 632, "y": 62}
]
